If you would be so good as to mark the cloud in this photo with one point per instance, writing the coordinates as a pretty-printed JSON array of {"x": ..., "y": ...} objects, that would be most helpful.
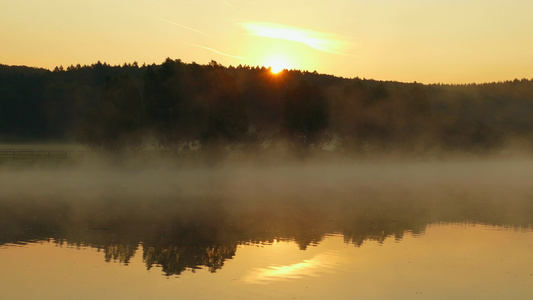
[{"x": 314, "y": 39}]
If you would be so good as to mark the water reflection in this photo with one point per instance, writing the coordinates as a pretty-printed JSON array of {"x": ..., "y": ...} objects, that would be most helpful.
[
  {"x": 174, "y": 259},
  {"x": 179, "y": 231},
  {"x": 457, "y": 261},
  {"x": 314, "y": 266},
  {"x": 190, "y": 237}
]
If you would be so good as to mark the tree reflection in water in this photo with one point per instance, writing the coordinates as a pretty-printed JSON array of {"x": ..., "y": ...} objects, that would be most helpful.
[
  {"x": 203, "y": 231},
  {"x": 175, "y": 259},
  {"x": 206, "y": 236}
]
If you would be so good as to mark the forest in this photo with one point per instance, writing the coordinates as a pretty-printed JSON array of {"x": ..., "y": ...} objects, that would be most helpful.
[{"x": 182, "y": 106}]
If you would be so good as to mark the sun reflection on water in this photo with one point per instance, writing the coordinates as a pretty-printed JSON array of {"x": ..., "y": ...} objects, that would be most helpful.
[{"x": 320, "y": 263}]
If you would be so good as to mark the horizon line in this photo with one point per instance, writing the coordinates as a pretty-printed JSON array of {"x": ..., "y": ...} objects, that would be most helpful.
[{"x": 259, "y": 66}]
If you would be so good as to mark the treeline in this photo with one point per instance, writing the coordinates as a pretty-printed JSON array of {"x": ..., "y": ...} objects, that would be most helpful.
[{"x": 180, "y": 106}]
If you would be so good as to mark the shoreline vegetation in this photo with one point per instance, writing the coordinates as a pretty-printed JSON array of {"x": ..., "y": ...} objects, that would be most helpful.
[{"x": 175, "y": 107}]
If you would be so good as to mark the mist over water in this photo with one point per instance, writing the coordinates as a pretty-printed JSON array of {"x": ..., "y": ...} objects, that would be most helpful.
[
  {"x": 251, "y": 200},
  {"x": 246, "y": 221}
]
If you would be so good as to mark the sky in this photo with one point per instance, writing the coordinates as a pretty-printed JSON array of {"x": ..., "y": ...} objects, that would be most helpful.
[{"x": 440, "y": 41}]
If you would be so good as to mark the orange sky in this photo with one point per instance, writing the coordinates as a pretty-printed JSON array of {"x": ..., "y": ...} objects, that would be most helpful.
[{"x": 446, "y": 41}]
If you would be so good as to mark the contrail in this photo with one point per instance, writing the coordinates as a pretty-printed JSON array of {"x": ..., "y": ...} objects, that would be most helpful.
[
  {"x": 228, "y": 5},
  {"x": 183, "y": 26},
  {"x": 210, "y": 49}
]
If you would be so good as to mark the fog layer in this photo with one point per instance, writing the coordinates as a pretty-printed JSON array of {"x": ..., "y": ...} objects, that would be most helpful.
[{"x": 96, "y": 195}]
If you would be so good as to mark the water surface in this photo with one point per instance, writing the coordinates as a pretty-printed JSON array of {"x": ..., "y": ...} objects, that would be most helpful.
[{"x": 409, "y": 230}]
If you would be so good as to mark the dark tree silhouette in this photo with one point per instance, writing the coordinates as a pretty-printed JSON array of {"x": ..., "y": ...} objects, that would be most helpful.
[
  {"x": 166, "y": 104},
  {"x": 21, "y": 102},
  {"x": 116, "y": 123},
  {"x": 179, "y": 103},
  {"x": 227, "y": 121},
  {"x": 305, "y": 114}
]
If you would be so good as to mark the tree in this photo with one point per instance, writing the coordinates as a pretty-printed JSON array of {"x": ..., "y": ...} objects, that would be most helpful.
[
  {"x": 226, "y": 116},
  {"x": 117, "y": 121},
  {"x": 171, "y": 93},
  {"x": 305, "y": 114}
]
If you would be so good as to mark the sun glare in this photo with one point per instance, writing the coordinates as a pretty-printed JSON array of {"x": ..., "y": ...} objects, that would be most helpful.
[
  {"x": 276, "y": 70},
  {"x": 277, "y": 64}
]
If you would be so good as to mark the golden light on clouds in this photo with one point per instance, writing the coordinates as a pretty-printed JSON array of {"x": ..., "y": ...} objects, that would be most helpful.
[{"x": 314, "y": 39}]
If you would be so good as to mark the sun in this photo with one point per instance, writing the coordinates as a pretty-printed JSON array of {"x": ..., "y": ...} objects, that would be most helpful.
[
  {"x": 276, "y": 69},
  {"x": 277, "y": 64}
]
